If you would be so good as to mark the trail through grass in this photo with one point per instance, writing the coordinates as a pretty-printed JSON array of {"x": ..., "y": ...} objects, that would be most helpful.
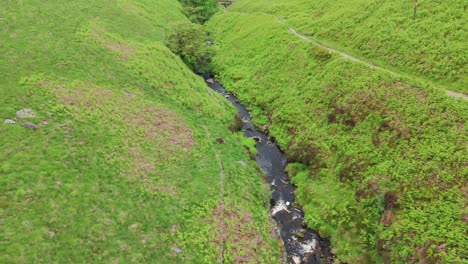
[{"x": 347, "y": 56}]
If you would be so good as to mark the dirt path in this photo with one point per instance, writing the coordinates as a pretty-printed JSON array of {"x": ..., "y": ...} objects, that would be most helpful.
[
  {"x": 347, "y": 56},
  {"x": 221, "y": 188}
]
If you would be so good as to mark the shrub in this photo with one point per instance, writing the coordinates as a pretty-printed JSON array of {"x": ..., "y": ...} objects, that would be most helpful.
[{"x": 189, "y": 41}]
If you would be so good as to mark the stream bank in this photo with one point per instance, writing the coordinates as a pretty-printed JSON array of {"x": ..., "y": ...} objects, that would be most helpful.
[{"x": 302, "y": 244}]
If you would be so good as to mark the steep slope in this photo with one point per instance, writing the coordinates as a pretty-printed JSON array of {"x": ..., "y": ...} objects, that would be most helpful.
[
  {"x": 431, "y": 46},
  {"x": 382, "y": 157},
  {"x": 109, "y": 153}
]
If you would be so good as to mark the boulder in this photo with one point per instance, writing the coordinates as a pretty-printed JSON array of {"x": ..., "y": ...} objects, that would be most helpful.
[
  {"x": 30, "y": 125},
  {"x": 9, "y": 122},
  {"x": 26, "y": 113},
  {"x": 176, "y": 250}
]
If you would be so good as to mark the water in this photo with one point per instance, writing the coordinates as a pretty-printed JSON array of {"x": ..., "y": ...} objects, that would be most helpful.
[{"x": 302, "y": 245}]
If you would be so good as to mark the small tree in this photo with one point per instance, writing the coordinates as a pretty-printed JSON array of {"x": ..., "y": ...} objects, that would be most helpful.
[{"x": 189, "y": 41}]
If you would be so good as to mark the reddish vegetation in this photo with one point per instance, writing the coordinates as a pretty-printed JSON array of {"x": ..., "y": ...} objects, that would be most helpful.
[
  {"x": 387, "y": 218},
  {"x": 143, "y": 123},
  {"x": 235, "y": 232},
  {"x": 391, "y": 200}
]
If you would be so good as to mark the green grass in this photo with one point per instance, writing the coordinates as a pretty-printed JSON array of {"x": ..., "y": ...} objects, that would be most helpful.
[
  {"x": 432, "y": 46},
  {"x": 122, "y": 168},
  {"x": 384, "y": 156}
]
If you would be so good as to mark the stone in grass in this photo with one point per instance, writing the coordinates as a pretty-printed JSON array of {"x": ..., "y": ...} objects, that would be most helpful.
[
  {"x": 242, "y": 163},
  {"x": 220, "y": 140},
  {"x": 26, "y": 113},
  {"x": 176, "y": 250},
  {"x": 30, "y": 125},
  {"x": 9, "y": 122}
]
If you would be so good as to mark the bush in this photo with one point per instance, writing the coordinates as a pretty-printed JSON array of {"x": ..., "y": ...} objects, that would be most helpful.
[{"x": 189, "y": 41}]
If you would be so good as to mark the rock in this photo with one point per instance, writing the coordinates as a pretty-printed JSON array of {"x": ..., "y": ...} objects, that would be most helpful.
[
  {"x": 309, "y": 246},
  {"x": 52, "y": 233},
  {"x": 26, "y": 113},
  {"x": 257, "y": 138},
  {"x": 280, "y": 206},
  {"x": 176, "y": 250},
  {"x": 210, "y": 80},
  {"x": 9, "y": 122},
  {"x": 296, "y": 260},
  {"x": 242, "y": 163},
  {"x": 134, "y": 226},
  {"x": 30, "y": 125},
  {"x": 220, "y": 140}
]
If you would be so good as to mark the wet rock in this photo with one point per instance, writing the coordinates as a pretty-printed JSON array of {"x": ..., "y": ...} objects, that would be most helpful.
[
  {"x": 280, "y": 206},
  {"x": 220, "y": 140},
  {"x": 256, "y": 138},
  {"x": 309, "y": 246},
  {"x": 264, "y": 129},
  {"x": 296, "y": 260},
  {"x": 30, "y": 125},
  {"x": 9, "y": 122},
  {"x": 242, "y": 163},
  {"x": 273, "y": 183},
  {"x": 26, "y": 113},
  {"x": 210, "y": 80},
  {"x": 176, "y": 250}
]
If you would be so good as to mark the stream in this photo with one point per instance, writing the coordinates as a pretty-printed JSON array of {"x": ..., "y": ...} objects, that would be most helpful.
[{"x": 302, "y": 244}]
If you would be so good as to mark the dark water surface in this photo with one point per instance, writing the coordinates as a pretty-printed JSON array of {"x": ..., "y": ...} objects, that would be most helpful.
[{"x": 303, "y": 245}]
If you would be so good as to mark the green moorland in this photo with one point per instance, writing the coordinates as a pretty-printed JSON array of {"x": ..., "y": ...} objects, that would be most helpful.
[
  {"x": 120, "y": 162},
  {"x": 380, "y": 160},
  {"x": 432, "y": 46}
]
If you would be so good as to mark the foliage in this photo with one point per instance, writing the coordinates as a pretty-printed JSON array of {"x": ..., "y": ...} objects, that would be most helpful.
[
  {"x": 189, "y": 41},
  {"x": 122, "y": 168},
  {"x": 432, "y": 46},
  {"x": 386, "y": 173},
  {"x": 199, "y": 11}
]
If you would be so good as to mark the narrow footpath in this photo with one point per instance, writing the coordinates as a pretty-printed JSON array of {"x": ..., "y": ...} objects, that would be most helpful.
[{"x": 349, "y": 57}]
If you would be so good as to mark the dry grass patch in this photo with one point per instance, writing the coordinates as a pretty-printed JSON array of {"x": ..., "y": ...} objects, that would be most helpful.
[{"x": 112, "y": 43}]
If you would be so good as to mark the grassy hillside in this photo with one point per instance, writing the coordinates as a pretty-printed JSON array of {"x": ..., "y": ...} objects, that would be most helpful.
[
  {"x": 381, "y": 159},
  {"x": 432, "y": 46},
  {"x": 116, "y": 160}
]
